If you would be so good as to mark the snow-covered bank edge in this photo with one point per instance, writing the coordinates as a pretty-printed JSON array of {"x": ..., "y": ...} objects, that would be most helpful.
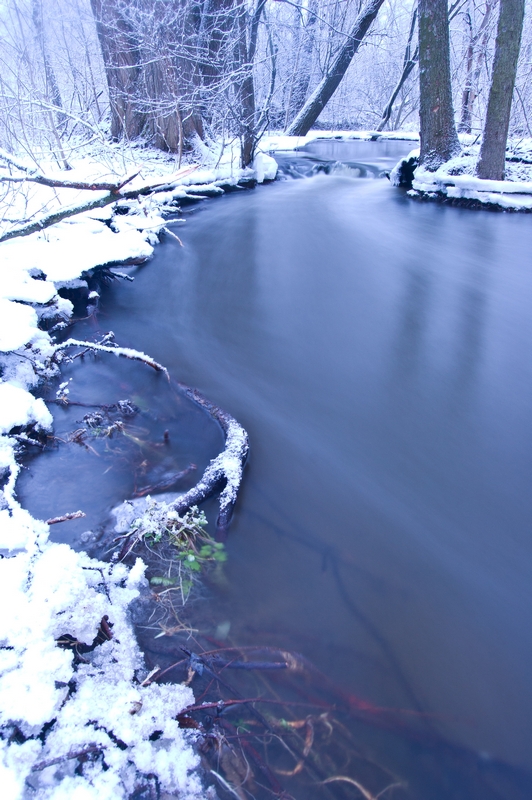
[
  {"x": 273, "y": 142},
  {"x": 77, "y": 728},
  {"x": 455, "y": 182}
]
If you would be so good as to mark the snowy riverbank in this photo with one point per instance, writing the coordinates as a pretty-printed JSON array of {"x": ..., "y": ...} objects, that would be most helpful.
[
  {"x": 455, "y": 181},
  {"x": 96, "y": 727}
]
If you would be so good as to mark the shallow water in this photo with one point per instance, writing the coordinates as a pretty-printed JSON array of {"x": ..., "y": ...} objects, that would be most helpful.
[{"x": 379, "y": 353}]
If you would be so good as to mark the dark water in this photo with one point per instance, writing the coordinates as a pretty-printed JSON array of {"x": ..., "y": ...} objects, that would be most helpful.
[
  {"x": 93, "y": 471},
  {"x": 379, "y": 352}
]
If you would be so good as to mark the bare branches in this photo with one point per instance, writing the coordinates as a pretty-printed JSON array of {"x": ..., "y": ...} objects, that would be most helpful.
[{"x": 59, "y": 183}]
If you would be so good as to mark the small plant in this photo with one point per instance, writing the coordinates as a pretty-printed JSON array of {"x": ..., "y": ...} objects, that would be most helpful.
[{"x": 184, "y": 540}]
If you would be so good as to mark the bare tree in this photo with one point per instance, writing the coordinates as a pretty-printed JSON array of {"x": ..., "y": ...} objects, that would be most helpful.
[
  {"x": 410, "y": 60},
  {"x": 122, "y": 59},
  {"x": 491, "y": 163},
  {"x": 476, "y": 49},
  {"x": 438, "y": 138},
  {"x": 244, "y": 87},
  {"x": 305, "y": 40},
  {"x": 326, "y": 88}
]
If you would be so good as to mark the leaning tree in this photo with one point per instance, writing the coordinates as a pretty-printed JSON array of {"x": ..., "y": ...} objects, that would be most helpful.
[{"x": 331, "y": 80}]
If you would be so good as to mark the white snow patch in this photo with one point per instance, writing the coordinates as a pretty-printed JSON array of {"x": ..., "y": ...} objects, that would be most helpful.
[
  {"x": 265, "y": 167},
  {"x": 47, "y": 590},
  {"x": 19, "y": 407},
  {"x": 18, "y": 324},
  {"x": 457, "y": 178}
]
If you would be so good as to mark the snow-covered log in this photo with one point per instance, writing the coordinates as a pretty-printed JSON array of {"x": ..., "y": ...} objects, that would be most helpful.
[{"x": 226, "y": 468}]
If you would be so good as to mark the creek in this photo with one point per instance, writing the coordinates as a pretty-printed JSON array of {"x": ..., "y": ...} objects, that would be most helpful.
[{"x": 379, "y": 353}]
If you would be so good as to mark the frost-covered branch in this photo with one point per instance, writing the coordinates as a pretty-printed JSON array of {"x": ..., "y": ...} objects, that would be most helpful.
[
  {"x": 125, "y": 352},
  {"x": 43, "y": 221},
  {"x": 57, "y": 183}
]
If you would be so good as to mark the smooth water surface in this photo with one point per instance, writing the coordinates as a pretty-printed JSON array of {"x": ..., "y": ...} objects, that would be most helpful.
[{"x": 379, "y": 352}]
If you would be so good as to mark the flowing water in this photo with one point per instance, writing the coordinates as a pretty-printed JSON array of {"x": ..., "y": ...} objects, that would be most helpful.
[{"x": 379, "y": 352}]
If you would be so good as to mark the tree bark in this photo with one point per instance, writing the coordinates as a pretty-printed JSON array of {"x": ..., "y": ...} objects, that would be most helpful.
[
  {"x": 303, "y": 67},
  {"x": 438, "y": 137},
  {"x": 491, "y": 164},
  {"x": 327, "y": 87}
]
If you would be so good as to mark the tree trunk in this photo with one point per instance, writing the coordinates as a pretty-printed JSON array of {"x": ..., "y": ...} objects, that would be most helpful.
[
  {"x": 150, "y": 50},
  {"x": 438, "y": 138},
  {"x": 243, "y": 79},
  {"x": 121, "y": 57},
  {"x": 52, "y": 86},
  {"x": 327, "y": 87},
  {"x": 491, "y": 163}
]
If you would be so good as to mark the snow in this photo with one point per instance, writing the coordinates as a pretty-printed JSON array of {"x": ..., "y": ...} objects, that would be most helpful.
[
  {"x": 18, "y": 323},
  {"x": 456, "y": 179},
  {"x": 265, "y": 167},
  {"x": 61, "y": 706},
  {"x": 273, "y": 142},
  {"x": 19, "y": 407}
]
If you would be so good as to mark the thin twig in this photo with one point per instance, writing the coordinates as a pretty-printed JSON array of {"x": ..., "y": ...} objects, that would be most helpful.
[{"x": 66, "y": 517}]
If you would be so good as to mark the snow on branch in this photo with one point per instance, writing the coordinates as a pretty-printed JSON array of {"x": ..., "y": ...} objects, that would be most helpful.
[
  {"x": 125, "y": 352},
  {"x": 43, "y": 221},
  {"x": 114, "y": 193}
]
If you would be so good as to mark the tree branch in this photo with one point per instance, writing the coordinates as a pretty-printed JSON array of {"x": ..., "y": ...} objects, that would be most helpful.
[
  {"x": 125, "y": 352},
  {"x": 45, "y": 220}
]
